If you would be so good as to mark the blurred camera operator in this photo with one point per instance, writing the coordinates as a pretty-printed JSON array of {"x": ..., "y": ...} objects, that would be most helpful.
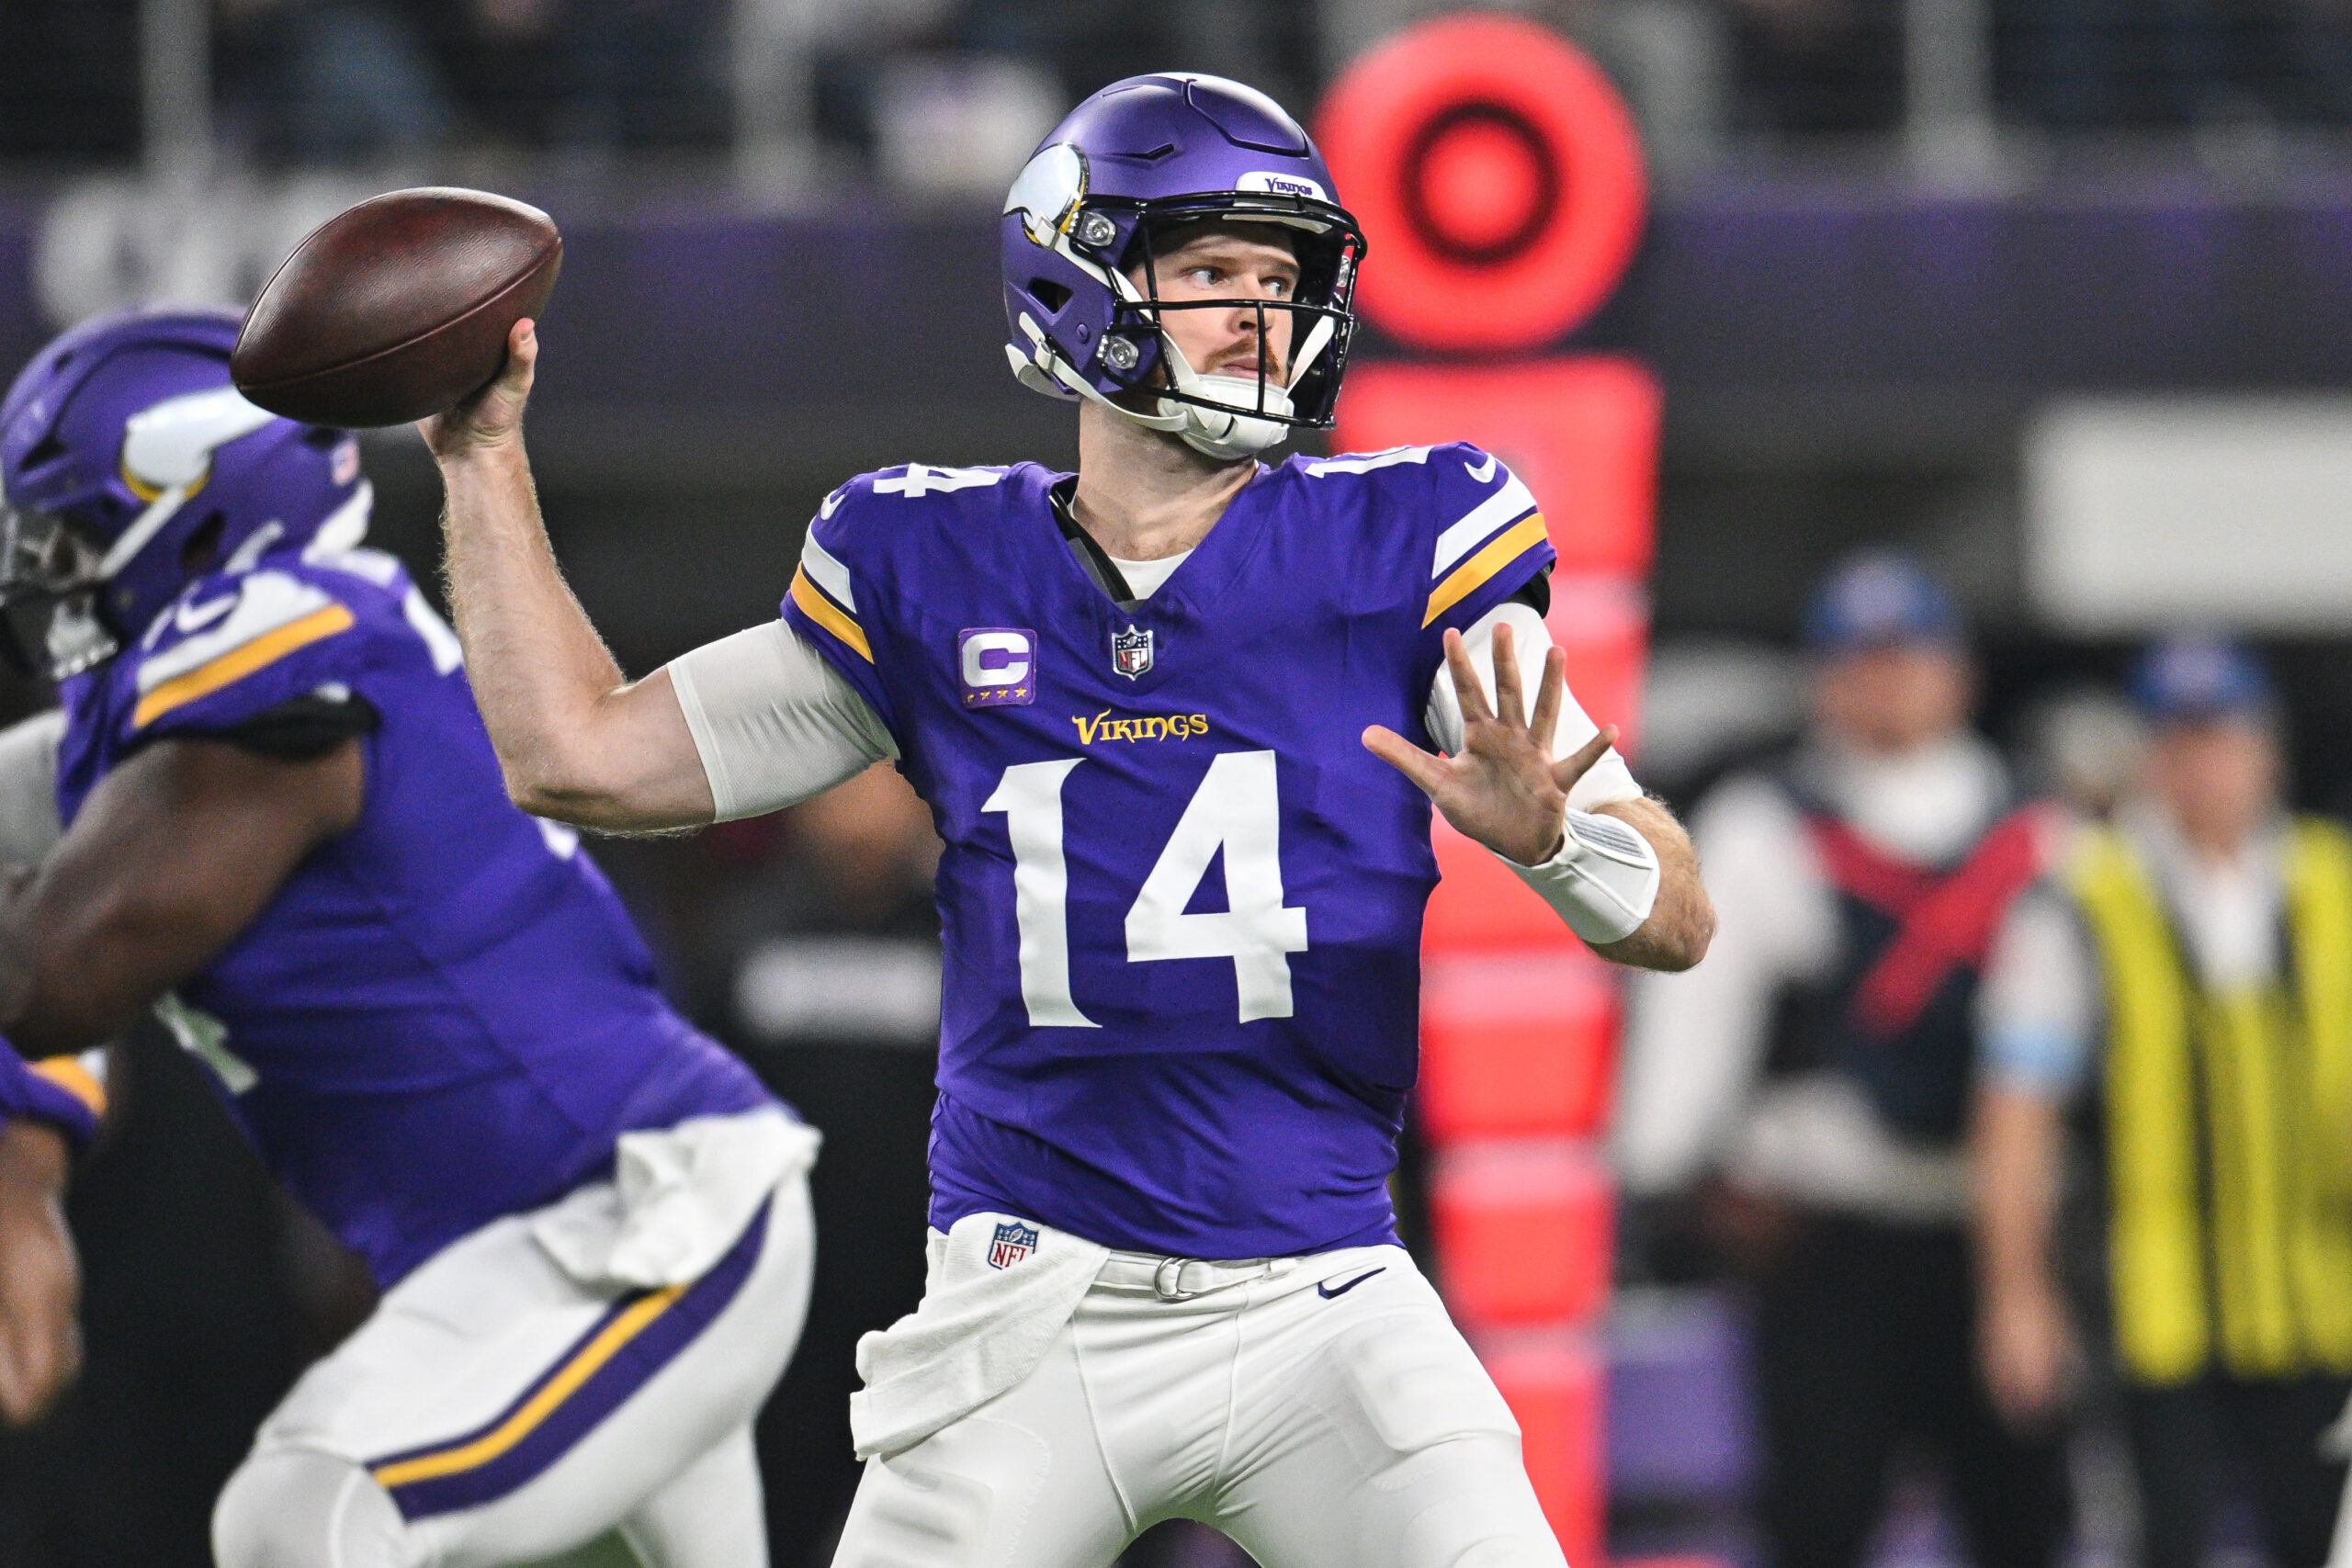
[
  {"x": 2185, "y": 983},
  {"x": 1805, "y": 1091}
]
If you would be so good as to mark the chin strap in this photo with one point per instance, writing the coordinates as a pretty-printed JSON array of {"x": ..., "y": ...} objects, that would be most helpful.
[{"x": 1230, "y": 431}]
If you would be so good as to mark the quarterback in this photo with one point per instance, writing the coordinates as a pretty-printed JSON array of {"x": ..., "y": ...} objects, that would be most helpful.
[
  {"x": 276, "y": 813},
  {"x": 1169, "y": 714}
]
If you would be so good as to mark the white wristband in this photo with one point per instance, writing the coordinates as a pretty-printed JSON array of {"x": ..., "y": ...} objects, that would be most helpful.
[{"x": 1603, "y": 881}]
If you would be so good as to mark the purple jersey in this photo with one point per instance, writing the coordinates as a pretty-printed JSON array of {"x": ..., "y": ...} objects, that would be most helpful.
[
  {"x": 443, "y": 1016},
  {"x": 1181, "y": 903}
]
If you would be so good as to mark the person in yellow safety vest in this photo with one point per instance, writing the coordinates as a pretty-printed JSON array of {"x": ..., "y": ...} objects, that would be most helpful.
[{"x": 2180, "y": 992}]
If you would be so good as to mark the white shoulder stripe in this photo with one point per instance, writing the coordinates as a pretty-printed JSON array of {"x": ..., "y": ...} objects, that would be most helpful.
[
  {"x": 1364, "y": 463},
  {"x": 257, "y": 605},
  {"x": 827, "y": 574},
  {"x": 1507, "y": 504}
]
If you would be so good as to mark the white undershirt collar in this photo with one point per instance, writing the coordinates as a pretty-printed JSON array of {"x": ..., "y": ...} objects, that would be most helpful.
[{"x": 1145, "y": 578}]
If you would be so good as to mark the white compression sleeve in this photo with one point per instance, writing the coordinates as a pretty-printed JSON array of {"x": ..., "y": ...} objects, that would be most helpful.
[
  {"x": 774, "y": 723},
  {"x": 1604, "y": 881}
]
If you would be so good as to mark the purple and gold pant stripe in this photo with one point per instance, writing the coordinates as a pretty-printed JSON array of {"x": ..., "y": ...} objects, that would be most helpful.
[{"x": 635, "y": 1339}]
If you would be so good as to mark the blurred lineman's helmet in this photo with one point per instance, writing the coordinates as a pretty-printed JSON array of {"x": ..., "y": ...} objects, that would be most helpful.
[
  {"x": 1136, "y": 160},
  {"x": 129, "y": 465}
]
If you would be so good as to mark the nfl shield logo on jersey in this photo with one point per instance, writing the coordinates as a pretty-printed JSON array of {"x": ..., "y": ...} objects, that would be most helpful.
[
  {"x": 1131, "y": 651},
  {"x": 1014, "y": 1241}
]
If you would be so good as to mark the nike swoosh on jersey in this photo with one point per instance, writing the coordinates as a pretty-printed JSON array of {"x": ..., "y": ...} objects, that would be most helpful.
[
  {"x": 195, "y": 617},
  {"x": 1482, "y": 471},
  {"x": 1329, "y": 1294}
]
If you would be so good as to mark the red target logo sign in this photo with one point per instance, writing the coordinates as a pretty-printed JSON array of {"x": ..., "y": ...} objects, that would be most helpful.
[{"x": 1496, "y": 174}]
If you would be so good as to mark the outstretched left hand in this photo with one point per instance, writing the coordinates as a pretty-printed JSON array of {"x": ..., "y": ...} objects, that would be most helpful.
[{"x": 1502, "y": 788}]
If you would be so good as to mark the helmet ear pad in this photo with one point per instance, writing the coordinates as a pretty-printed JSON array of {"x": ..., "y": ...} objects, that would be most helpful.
[{"x": 1082, "y": 318}]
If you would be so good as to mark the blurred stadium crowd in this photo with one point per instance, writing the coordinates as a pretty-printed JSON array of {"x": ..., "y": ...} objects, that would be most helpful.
[{"x": 876, "y": 84}]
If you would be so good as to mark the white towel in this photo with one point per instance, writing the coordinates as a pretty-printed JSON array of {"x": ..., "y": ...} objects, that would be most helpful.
[
  {"x": 679, "y": 1198},
  {"x": 998, "y": 1290}
]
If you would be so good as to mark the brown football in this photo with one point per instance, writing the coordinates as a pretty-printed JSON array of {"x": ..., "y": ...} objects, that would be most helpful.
[{"x": 397, "y": 308}]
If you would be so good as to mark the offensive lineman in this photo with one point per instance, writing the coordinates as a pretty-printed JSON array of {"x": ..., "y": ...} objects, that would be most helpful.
[
  {"x": 1161, "y": 710},
  {"x": 589, "y": 1225}
]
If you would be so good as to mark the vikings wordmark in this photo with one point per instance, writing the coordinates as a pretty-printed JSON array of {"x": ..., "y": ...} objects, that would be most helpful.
[{"x": 1147, "y": 726}]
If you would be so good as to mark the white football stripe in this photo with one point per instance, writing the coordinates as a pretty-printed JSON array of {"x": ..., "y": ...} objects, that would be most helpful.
[
  {"x": 1507, "y": 504},
  {"x": 826, "y": 573}
]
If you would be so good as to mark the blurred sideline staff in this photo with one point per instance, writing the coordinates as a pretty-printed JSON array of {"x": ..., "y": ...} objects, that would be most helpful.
[
  {"x": 2184, "y": 983},
  {"x": 1807, "y": 1086}
]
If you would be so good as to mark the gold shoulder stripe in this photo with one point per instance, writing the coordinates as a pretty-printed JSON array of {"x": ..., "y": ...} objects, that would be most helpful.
[
  {"x": 541, "y": 1405},
  {"x": 240, "y": 662},
  {"x": 823, "y": 611},
  {"x": 1466, "y": 578},
  {"x": 75, "y": 1079}
]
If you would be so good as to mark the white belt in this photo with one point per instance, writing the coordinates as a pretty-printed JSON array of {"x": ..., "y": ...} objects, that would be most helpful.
[{"x": 1181, "y": 1278}]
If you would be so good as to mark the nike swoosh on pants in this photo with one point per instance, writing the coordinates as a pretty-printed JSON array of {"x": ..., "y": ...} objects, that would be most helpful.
[{"x": 1329, "y": 1294}]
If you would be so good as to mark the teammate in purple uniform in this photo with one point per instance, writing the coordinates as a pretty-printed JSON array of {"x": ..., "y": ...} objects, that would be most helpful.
[
  {"x": 281, "y": 816},
  {"x": 1169, "y": 714}
]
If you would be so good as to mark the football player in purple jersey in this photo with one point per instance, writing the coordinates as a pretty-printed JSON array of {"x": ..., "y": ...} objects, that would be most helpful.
[
  {"x": 279, "y": 822},
  {"x": 1179, "y": 717}
]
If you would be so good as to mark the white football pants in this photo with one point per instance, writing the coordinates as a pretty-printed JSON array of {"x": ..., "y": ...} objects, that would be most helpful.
[
  {"x": 495, "y": 1410},
  {"x": 1325, "y": 1414}
]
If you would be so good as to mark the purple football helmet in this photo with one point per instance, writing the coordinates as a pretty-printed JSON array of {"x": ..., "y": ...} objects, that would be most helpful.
[
  {"x": 131, "y": 466},
  {"x": 1141, "y": 158}
]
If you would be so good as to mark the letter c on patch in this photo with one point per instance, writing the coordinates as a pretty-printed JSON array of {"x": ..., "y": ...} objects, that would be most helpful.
[
  {"x": 1007, "y": 668},
  {"x": 996, "y": 664}
]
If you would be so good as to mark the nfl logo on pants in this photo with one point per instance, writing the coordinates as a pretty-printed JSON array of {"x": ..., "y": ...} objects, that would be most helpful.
[{"x": 1014, "y": 1241}]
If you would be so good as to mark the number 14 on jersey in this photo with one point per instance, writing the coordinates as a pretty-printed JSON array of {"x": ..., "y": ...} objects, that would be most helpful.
[{"x": 1237, "y": 809}]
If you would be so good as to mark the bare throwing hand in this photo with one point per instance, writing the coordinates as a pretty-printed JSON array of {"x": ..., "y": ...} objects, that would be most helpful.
[
  {"x": 1503, "y": 789},
  {"x": 493, "y": 416}
]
